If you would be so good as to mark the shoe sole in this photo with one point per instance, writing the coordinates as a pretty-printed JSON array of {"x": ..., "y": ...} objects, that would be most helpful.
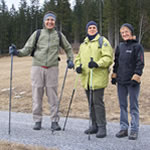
[
  {"x": 131, "y": 138},
  {"x": 121, "y": 136},
  {"x": 102, "y": 136},
  {"x": 87, "y": 132},
  {"x": 36, "y": 128},
  {"x": 90, "y": 133},
  {"x": 55, "y": 129}
]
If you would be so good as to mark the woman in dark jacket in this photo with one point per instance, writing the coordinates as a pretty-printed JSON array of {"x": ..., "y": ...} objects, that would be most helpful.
[{"x": 127, "y": 71}]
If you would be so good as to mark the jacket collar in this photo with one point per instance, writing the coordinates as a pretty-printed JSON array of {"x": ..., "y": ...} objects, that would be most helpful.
[
  {"x": 49, "y": 30},
  {"x": 130, "y": 41},
  {"x": 86, "y": 40}
]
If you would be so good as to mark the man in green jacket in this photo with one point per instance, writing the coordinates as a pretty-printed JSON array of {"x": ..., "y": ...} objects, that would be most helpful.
[
  {"x": 44, "y": 73},
  {"x": 93, "y": 58}
]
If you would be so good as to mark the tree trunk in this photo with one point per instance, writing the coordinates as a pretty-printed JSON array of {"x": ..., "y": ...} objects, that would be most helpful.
[
  {"x": 100, "y": 17},
  {"x": 111, "y": 32},
  {"x": 116, "y": 24},
  {"x": 116, "y": 31},
  {"x": 140, "y": 30}
]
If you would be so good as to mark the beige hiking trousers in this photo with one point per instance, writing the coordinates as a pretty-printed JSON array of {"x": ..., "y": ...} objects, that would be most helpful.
[{"x": 44, "y": 79}]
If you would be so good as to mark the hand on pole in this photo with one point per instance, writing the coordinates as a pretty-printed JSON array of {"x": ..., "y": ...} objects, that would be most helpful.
[
  {"x": 13, "y": 50},
  {"x": 70, "y": 64},
  {"x": 92, "y": 64},
  {"x": 79, "y": 69}
]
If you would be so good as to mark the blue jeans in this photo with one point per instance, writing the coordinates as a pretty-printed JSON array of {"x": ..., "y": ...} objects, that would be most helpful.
[{"x": 133, "y": 92}]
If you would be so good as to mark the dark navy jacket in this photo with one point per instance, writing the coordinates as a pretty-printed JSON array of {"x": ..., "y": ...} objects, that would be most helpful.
[{"x": 129, "y": 60}]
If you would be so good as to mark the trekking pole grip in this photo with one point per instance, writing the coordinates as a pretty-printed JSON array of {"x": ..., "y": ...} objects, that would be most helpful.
[{"x": 91, "y": 58}]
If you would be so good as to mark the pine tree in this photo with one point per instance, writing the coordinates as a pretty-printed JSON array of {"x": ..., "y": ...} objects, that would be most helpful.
[
  {"x": 64, "y": 14},
  {"x": 4, "y": 27}
]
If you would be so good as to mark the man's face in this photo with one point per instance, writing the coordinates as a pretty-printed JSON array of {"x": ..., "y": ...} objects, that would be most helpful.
[
  {"x": 49, "y": 23},
  {"x": 126, "y": 33},
  {"x": 92, "y": 30}
]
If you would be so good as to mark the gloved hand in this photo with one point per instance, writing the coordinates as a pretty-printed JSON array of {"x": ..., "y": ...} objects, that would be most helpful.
[
  {"x": 113, "y": 78},
  {"x": 12, "y": 50},
  {"x": 79, "y": 69},
  {"x": 113, "y": 81},
  {"x": 135, "y": 80},
  {"x": 59, "y": 59},
  {"x": 134, "y": 83},
  {"x": 70, "y": 64},
  {"x": 92, "y": 64}
]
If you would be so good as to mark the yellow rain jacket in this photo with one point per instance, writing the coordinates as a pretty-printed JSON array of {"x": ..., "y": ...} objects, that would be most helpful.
[{"x": 102, "y": 56}]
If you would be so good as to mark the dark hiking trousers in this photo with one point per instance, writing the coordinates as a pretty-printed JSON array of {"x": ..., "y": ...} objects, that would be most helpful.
[{"x": 97, "y": 107}]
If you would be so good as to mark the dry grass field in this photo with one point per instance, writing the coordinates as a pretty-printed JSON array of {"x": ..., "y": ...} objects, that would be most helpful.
[
  {"x": 15, "y": 146},
  {"x": 22, "y": 98}
]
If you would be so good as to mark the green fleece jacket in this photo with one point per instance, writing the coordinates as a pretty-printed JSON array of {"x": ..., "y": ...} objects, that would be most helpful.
[
  {"x": 47, "y": 50},
  {"x": 102, "y": 56}
]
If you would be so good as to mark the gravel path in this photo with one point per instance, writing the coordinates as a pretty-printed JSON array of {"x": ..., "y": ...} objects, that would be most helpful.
[{"x": 73, "y": 138}]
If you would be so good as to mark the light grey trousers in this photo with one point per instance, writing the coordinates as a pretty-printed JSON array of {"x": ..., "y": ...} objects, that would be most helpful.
[{"x": 44, "y": 79}]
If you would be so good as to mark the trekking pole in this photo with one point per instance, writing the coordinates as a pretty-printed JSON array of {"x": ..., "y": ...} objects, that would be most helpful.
[
  {"x": 73, "y": 92},
  {"x": 61, "y": 93},
  {"x": 90, "y": 97},
  {"x": 10, "y": 94},
  {"x": 62, "y": 89}
]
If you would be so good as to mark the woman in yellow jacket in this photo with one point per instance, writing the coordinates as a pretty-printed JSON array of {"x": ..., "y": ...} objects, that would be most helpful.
[{"x": 102, "y": 58}]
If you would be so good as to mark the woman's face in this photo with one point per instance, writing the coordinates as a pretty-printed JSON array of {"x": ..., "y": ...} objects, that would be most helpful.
[
  {"x": 92, "y": 30},
  {"x": 49, "y": 23},
  {"x": 126, "y": 33}
]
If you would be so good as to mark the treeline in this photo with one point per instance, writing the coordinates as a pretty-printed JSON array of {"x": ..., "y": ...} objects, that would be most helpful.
[{"x": 16, "y": 25}]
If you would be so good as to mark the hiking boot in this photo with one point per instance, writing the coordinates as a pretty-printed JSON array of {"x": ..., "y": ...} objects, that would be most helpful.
[
  {"x": 122, "y": 133},
  {"x": 55, "y": 126},
  {"x": 133, "y": 135},
  {"x": 92, "y": 130},
  {"x": 101, "y": 132},
  {"x": 37, "y": 126}
]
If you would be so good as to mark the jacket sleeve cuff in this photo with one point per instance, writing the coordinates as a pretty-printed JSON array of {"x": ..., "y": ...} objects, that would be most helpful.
[
  {"x": 114, "y": 75},
  {"x": 136, "y": 77}
]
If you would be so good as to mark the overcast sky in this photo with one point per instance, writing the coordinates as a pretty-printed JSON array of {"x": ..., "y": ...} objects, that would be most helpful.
[{"x": 16, "y": 2}]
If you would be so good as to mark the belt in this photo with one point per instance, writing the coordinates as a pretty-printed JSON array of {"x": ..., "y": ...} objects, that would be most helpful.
[{"x": 44, "y": 67}]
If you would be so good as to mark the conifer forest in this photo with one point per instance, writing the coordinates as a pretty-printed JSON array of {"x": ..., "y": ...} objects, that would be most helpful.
[{"x": 17, "y": 24}]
